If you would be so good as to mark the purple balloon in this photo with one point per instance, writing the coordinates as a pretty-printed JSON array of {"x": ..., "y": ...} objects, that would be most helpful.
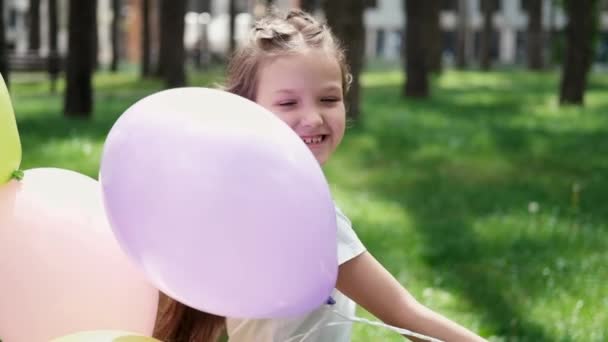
[{"x": 221, "y": 204}]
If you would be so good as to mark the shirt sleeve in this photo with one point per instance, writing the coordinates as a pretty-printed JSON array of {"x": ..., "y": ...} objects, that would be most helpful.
[{"x": 349, "y": 245}]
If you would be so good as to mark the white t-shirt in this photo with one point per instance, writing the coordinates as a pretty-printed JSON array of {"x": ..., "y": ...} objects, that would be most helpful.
[{"x": 282, "y": 329}]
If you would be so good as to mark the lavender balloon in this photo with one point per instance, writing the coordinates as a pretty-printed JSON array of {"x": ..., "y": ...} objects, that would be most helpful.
[{"x": 221, "y": 204}]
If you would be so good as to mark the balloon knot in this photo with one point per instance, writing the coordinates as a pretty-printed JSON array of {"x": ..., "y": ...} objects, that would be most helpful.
[{"x": 17, "y": 174}]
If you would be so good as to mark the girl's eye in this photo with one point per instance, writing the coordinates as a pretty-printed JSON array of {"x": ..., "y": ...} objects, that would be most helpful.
[
  {"x": 287, "y": 103},
  {"x": 330, "y": 99}
]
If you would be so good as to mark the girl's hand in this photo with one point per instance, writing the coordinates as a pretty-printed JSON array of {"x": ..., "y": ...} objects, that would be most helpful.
[{"x": 367, "y": 282}]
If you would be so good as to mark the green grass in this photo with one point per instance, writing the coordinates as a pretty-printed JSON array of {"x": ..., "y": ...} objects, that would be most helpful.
[
  {"x": 488, "y": 201},
  {"x": 444, "y": 192}
]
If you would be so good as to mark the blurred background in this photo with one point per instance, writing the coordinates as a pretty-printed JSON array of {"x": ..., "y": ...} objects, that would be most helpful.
[{"x": 474, "y": 167}]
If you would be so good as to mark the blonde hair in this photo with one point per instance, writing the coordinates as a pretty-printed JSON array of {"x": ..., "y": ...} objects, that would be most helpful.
[{"x": 275, "y": 35}]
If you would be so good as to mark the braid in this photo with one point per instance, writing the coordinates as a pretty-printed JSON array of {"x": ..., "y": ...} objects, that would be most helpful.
[{"x": 277, "y": 34}]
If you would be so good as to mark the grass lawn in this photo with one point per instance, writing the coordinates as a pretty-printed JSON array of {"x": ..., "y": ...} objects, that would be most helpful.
[{"x": 488, "y": 202}]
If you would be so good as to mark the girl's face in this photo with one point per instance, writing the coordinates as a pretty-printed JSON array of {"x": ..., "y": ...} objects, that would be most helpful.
[{"x": 305, "y": 91}]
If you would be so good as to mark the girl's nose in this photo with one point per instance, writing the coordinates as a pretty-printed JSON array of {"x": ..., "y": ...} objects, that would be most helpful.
[{"x": 312, "y": 118}]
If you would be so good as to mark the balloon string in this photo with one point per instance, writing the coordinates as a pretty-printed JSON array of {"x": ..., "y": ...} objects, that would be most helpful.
[
  {"x": 18, "y": 175},
  {"x": 354, "y": 319},
  {"x": 387, "y": 326}
]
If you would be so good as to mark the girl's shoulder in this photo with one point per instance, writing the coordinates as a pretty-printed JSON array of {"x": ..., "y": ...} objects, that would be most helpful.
[{"x": 349, "y": 244}]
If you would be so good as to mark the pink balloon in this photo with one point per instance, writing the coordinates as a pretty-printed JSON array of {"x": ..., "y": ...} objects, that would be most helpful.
[
  {"x": 61, "y": 270},
  {"x": 221, "y": 203}
]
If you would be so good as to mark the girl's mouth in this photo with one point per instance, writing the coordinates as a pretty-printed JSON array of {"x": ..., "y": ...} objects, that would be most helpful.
[{"x": 313, "y": 140}]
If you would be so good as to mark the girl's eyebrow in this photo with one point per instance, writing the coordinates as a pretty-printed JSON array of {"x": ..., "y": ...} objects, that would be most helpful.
[
  {"x": 287, "y": 91},
  {"x": 332, "y": 87}
]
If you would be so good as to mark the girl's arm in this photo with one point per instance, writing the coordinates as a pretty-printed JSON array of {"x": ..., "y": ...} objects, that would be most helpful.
[{"x": 367, "y": 282}]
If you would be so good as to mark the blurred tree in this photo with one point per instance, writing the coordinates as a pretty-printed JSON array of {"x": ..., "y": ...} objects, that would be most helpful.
[
  {"x": 171, "y": 52},
  {"x": 417, "y": 49},
  {"x": 79, "y": 67},
  {"x": 145, "y": 38},
  {"x": 54, "y": 59},
  {"x": 463, "y": 35},
  {"x": 95, "y": 40},
  {"x": 582, "y": 27},
  {"x": 4, "y": 67},
  {"x": 309, "y": 6},
  {"x": 535, "y": 36},
  {"x": 345, "y": 17},
  {"x": 488, "y": 7},
  {"x": 232, "y": 12},
  {"x": 116, "y": 16},
  {"x": 434, "y": 39},
  {"x": 34, "y": 26}
]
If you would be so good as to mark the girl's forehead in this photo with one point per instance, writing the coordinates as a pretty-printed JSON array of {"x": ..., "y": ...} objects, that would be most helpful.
[{"x": 311, "y": 65}]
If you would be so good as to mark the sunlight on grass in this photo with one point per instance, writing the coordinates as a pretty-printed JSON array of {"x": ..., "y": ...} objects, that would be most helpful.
[{"x": 487, "y": 201}]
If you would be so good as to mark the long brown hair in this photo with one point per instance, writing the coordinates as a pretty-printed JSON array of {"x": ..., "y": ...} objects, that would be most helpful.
[
  {"x": 177, "y": 322},
  {"x": 274, "y": 35}
]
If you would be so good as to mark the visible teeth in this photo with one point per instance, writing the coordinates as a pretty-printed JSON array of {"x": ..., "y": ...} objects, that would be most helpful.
[{"x": 313, "y": 140}]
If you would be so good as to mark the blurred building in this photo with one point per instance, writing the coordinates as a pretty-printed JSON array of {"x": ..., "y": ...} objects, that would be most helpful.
[
  {"x": 385, "y": 23},
  {"x": 207, "y": 22}
]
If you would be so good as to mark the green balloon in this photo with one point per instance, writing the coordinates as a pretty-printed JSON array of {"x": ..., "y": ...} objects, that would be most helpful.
[
  {"x": 10, "y": 146},
  {"x": 104, "y": 336}
]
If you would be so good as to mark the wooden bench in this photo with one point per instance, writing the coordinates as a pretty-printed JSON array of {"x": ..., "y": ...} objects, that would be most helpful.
[{"x": 33, "y": 62}]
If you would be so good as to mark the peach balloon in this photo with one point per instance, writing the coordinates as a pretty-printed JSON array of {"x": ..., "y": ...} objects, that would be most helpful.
[{"x": 61, "y": 270}]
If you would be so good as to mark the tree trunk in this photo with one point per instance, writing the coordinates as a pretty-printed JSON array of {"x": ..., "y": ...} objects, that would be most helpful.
[
  {"x": 95, "y": 39},
  {"x": 535, "y": 34},
  {"x": 345, "y": 17},
  {"x": 4, "y": 67},
  {"x": 115, "y": 35},
  {"x": 308, "y": 6},
  {"x": 172, "y": 53},
  {"x": 54, "y": 59},
  {"x": 145, "y": 38},
  {"x": 34, "y": 26},
  {"x": 416, "y": 49},
  {"x": 462, "y": 35},
  {"x": 79, "y": 66},
  {"x": 232, "y": 26},
  {"x": 487, "y": 7},
  {"x": 434, "y": 37},
  {"x": 582, "y": 26}
]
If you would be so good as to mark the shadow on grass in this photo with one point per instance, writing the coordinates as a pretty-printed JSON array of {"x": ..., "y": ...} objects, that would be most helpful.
[{"x": 452, "y": 162}]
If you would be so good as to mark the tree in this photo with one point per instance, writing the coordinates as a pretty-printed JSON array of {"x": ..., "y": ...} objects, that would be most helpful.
[
  {"x": 463, "y": 35},
  {"x": 4, "y": 67},
  {"x": 308, "y": 5},
  {"x": 79, "y": 66},
  {"x": 232, "y": 26},
  {"x": 487, "y": 7},
  {"x": 434, "y": 39},
  {"x": 115, "y": 35},
  {"x": 345, "y": 17},
  {"x": 95, "y": 40},
  {"x": 172, "y": 52},
  {"x": 145, "y": 38},
  {"x": 34, "y": 26},
  {"x": 535, "y": 34},
  {"x": 580, "y": 31},
  {"x": 54, "y": 60},
  {"x": 416, "y": 48}
]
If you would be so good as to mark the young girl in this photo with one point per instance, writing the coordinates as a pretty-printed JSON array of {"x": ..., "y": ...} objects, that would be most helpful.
[{"x": 294, "y": 67}]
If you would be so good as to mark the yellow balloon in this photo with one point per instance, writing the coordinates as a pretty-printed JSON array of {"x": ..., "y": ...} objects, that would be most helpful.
[
  {"x": 10, "y": 146},
  {"x": 105, "y": 336}
]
